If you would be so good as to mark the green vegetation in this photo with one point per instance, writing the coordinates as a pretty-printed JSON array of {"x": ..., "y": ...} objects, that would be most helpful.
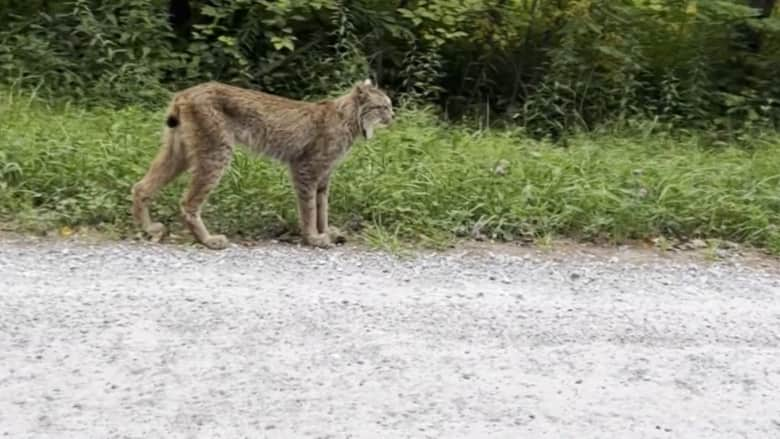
[
  {"x": 554, "y": 66},
  {"x": 421, "y": 181},
  {"x": 522, "y": 119}
]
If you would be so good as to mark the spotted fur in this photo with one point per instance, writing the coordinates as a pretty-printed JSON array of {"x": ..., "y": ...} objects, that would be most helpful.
[{"x": 204, "y": 123}]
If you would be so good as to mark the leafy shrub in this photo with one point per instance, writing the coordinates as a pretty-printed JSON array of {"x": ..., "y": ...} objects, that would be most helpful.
[
  {"x": 118, "y": 51},
  {"x": 554, "y": 67}
]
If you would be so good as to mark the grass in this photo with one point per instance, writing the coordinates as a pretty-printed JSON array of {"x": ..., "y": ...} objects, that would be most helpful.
[{"x": 420, "y": 182}]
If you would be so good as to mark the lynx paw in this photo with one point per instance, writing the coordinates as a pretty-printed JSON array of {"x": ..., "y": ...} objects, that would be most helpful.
[
  {"x": 156, "y": 231},
  {"x": 320, "y": 240},
  {"x": 216, "y": 242},
  {"x": 336, "y": 236}
]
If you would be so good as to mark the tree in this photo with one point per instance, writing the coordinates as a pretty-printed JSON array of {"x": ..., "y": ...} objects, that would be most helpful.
[{"x": 765, "y": 6}]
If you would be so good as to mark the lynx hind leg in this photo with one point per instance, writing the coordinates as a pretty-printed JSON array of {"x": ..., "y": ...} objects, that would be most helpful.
[
  {"x": 206, "y": 174},
  {"x": 166, "y": 166}
]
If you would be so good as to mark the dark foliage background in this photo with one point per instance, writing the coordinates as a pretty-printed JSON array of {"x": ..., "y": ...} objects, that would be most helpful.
[{"x": 552, "y": 66}]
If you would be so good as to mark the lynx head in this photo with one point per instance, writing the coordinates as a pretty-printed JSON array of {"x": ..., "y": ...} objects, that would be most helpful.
[{"x": 374, "y": 108}]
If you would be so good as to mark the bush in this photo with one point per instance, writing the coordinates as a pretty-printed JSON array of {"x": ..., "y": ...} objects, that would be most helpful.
[
  {"x": 553, "y": 67},
  {"x": 119, "y": 52}
]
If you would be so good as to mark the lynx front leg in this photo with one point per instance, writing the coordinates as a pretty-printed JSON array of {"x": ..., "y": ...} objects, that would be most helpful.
[
  {"x": 308, "y": 196},
  {"x": 322, "y": 206},
  {"x": 323, "y": 191}
]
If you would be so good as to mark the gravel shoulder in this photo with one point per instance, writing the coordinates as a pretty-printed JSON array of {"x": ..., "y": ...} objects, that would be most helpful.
[{"x": 137, "y": 340}]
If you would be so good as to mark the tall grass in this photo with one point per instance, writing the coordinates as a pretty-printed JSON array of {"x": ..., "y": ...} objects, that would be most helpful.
[{"x": 419, "y": 181}]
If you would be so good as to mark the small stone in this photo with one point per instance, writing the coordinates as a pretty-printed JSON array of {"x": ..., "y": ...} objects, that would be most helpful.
[{"x": 722, "y": 253}]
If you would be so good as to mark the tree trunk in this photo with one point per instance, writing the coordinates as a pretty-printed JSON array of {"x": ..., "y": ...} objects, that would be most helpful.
[
  {"x": 179, "y": 15},
  {"x": 752, "y": 38},
  {"x": 765, "y": 6}
]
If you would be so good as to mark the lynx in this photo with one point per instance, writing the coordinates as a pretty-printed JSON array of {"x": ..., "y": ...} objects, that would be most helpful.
[{"x": 205, "y": 122}]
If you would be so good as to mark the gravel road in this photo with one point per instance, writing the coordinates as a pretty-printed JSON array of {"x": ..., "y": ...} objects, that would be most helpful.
[{"x": 131, "y": 340}]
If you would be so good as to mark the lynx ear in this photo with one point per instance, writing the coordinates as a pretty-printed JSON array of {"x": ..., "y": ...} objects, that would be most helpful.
[
  {"x": 363, "y": 86},
  {"x": 366, "y": 83}
]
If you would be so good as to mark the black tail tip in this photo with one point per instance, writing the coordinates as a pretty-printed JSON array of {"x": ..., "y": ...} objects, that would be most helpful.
[{"x": 172, "y": 122}]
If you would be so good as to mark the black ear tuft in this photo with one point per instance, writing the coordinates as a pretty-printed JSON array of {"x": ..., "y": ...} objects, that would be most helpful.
[{"x": 172, "y": 121}]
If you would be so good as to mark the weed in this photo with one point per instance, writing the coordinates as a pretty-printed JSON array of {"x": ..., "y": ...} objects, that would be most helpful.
[{"x": 418, "y": 182}]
